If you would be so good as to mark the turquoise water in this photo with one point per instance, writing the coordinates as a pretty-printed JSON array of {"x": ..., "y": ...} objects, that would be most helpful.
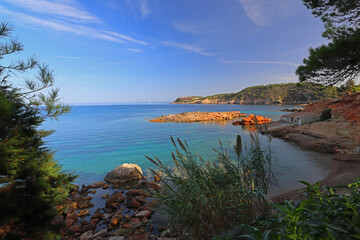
[{"x": 92, "y": 140}]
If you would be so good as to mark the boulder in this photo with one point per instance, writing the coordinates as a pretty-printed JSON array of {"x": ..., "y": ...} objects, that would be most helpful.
[{"x": 125, "y": 173}]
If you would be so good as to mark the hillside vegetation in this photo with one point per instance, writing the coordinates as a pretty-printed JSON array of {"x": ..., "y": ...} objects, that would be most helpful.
[{"x": 289, "y": 93}]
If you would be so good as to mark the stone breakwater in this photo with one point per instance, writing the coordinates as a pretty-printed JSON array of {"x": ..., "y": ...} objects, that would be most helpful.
[{"x": 199, "y": 117}]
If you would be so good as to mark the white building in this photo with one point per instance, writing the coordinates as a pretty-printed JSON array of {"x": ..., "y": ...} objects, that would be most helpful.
[{"x": 300, "y": 118}]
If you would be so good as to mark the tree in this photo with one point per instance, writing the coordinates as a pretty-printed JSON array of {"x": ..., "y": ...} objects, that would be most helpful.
[
  {"x": 31, "y": 181},
  {"x": 339, "y": 60},
  {"x": 341, "y": 17}
]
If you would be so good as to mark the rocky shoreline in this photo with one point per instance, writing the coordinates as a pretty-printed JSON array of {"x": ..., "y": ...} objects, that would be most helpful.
[
  {"x": 199, "y": 117},
  {"x": 125, "y": 210},
  {"x": 339, "y": 136}
]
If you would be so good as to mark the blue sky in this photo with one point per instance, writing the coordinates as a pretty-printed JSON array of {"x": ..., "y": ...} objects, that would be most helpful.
[{"x": 113, "y": 51}]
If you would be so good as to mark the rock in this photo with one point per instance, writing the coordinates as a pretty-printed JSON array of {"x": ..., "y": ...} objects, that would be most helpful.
[
  {"x": 86, "y": 235},
  {"x": 125, "y": 173},
  {"x": 105, "y": 186},
  {"x": 157, "y": 178},
  {"x": 83, "y": 205},
  {"x": 97, "y": 185},
  {"x": 346, "y": 157},
  {"x": 117, "y": 238},
  {"x": 94, "y": 221},
  {"x": 291, "y": 109},
  {"x": 144, "y": 213},
  {"x": 105, "y": 196},
  {"x": 107, "y": 215},
  {"x": 97, "y": 214},
  {"x": 198, "y": 116},
  {"x": 90, "y": 227},
  {"x": 140, "y": 236},
  {"x": 83, "y": 213},
  {"x": 132, "y": 203},
  {"x": 84, "y": 189},
  {"x": 133, "y": 223},
  {"x": 71, "y": 218},
  {"x": 120, "y": 231},
  {"x": 107, "y": 210},
  {"x": 74, "y": 229},
  {"x": 116, "y": 197},
  {"x": 70, "y": 209},
  {"x": 140, "y": 199},
  {"x": 117, "y": 218},
  {"x": 252, "y": 120},
  {"x": 155, "y": 186},
  {"x": 134, "y": 192},
  {"x": 101, "y": 234},
  {"x": 84, "y": 223}
]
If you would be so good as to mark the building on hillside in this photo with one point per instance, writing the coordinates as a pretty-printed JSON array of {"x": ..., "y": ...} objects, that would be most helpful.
[{"x": 300, "y": 118}]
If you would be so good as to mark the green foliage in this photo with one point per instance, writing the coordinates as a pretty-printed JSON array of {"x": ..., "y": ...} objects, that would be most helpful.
[
  {"x": 203, "y": 198},
  {"x": 338, "y": 61},
  {"x": 31, "y": 182},
  {"x": 341, "y": 17},
  {"x": 326, "y": 114},
  {"x": 302, "y": 92},
  {"x": 322, "y": 215},
  {"x": 355, "y": 89}
]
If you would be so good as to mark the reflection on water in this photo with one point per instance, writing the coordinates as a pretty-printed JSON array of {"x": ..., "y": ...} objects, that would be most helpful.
[{"x": 93, "y": 140}]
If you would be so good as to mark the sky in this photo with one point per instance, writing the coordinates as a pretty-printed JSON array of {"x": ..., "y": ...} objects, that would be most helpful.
[{"x": 117, "y": 51}]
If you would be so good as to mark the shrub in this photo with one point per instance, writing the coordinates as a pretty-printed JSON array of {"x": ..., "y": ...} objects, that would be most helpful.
[
  {"x": 322, "y": 215},
  {"x": 203, "y": 198},
  {"x": 325, "y": 115}
]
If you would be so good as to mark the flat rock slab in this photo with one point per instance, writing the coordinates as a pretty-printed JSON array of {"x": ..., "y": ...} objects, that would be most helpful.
[{"x": 199, "y": 116}]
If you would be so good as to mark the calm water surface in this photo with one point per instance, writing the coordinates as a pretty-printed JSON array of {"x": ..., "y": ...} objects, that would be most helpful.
[{"x": 92, "y": 140}]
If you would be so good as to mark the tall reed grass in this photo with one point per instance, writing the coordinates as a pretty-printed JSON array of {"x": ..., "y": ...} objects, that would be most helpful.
[{"x": 203, "y": 198}]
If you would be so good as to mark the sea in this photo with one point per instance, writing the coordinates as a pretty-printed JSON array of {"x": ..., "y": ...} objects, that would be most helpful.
[{"x": 92, "y": 140}]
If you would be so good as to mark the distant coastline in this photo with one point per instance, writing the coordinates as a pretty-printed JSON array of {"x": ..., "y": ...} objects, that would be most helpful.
[{"x": 286, "y": 94}]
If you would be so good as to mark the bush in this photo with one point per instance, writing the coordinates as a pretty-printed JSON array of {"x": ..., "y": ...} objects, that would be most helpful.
[
  {"x": 203, "y": 198},
  {"x": 322, "y": 215},
  {"x": 325, "y": 115}
]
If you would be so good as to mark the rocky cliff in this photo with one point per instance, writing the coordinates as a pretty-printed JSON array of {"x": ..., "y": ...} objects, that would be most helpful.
[{"x": 291, "y": 93}]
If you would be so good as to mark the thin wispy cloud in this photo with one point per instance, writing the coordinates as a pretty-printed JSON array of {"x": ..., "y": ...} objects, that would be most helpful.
[
  {"x": 259, "y": 62},
  {"x": 134, "y": 50},
  {"x": 71, "y": 28},
  {"x": 265, "y": 12},
  {"x": 197, "y": 27},
  {"x": 68, "y": 57},
  {"x": 61, "y": 9},
  {"x": 144, "y": 8},
  {"x": 130, "y": 39},
  {"x": 187, "y": 47},
  {"x": 187, "y": 27}
]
